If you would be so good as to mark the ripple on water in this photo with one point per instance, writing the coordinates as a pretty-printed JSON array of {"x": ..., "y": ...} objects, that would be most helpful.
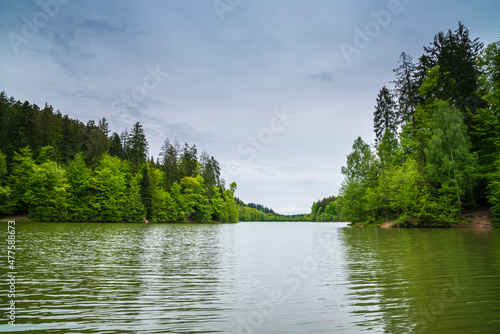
[{"x": 254, "y": 277}]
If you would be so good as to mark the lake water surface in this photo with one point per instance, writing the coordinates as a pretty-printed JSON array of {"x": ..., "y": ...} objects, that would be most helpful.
[{"x": 252, "y": 278}]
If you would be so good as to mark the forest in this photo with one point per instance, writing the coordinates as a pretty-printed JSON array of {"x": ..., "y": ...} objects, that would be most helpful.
[
  {"x": 258, "y": 212},
  {"x": 325, "y": 210},
  {"x": 437, "y": 148},
  {"x": 55, "y": 168}
]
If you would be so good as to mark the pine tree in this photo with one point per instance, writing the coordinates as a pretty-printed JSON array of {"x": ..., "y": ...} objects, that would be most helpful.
[
  {"x": 138, "y": 147},
  {"x": 384, "y": 116},
  {"x": 146, "y": 190},
  {"x": 455, "y": 53},
  {"x": 103, "y": 125},
  {"x": 169, "y": 164},
  {"x": 115, "y": 146},
  {"x": 188, "y": 165},
  {"x": 406, "y": 89}
]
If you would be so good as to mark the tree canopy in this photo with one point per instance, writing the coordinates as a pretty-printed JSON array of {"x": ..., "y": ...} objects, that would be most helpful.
[{"x": 437, "y": 148}]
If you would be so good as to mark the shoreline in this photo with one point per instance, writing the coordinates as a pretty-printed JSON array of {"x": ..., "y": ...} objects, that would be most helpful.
[{"x": 479, "y": 219}]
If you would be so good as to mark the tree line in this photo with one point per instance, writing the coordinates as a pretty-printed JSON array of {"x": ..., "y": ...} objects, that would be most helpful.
[
  {"x": 252, "y": 212},
  {"x": 55, "y": 168},
  {"x": 325, "y": 210},
  {"x": 437, "y": 148}
]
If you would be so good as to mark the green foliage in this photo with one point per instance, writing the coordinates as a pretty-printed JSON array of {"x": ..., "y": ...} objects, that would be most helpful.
[
  {"x": 195, "y": 199},
  {"x": 6, "y": 201},
  {"x": 21, "y": 171},
  {"x": 406, "y": 89},
  {"x": 95, "y": 185},
  {"x": 231, "y": 214},
  {"x": 446, "y": 156},
  {"x": 138, "y": 147},
  {"x": 384, "y": 117},
  {"x": 146, "y": 190},
  {"x": 388, "y": 150},
  {"x": 109, "y": 188},
  {"x": 450, "y": 164},
  {"x": 134, "y": 210},
  {"x": 360, "y": 163},
  {"x": 46, "y": 193},
  {"x": 489, "y": 62},
  {"x": 80, "y": 191},
  {"x": 352, "y": 208},
  {"x": 325, "y": 210},
  {"x": 494, "y": 193}
]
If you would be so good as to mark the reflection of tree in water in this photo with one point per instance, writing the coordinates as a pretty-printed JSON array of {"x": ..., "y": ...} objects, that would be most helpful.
[
  {"x": 144, "y": 276},
  {"x": 418, "y": 280}
]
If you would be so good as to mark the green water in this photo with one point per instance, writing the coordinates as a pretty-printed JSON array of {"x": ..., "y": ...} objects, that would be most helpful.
[{"x": 251, "y": 278}]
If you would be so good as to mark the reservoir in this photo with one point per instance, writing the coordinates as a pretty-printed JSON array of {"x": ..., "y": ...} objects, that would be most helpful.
[{"x": 251, "y": 277}]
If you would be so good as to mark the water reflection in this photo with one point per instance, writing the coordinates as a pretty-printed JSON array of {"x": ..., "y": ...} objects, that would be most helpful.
[
  {"x": 254, "y": 278},
  {"x": 101, "y": 277},
  {"x": 423, "y": 280}
]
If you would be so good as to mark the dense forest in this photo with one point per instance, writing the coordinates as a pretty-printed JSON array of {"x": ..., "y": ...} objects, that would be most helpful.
[
  {"x": 437, "y": 149},
  {"x": 325, "y": 210},
  {"x": 55, "y": 168}
]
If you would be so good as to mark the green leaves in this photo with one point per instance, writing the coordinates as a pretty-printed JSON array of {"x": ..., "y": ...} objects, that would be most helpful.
[
  {"x": 360, "y": 162},
  {"x": 47, "y": 193},
  {"x": 450, "y": 163}
]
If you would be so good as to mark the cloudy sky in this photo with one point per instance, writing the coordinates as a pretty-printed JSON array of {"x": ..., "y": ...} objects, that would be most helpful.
[{"x": 276, "y": 90}]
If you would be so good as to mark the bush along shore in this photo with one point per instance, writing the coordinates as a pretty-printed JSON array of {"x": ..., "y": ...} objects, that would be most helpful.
[{"x": 436, "y": 156}]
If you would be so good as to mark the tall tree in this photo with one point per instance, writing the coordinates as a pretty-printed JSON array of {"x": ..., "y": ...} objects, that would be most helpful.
[
  {"x": 358, "y": 173},
  {"x": 80, "y": 190},
  {"x": 210, "y": 171},
  {"x": 384, "y": 116},
  {"x": 489, "y": 63},
  {"x": 46, "y": 193},
  {"x": 146, "y": 190},
  {"x": 95, "y": 144},
  {"x": 109, "y": 187},
  {"x": 450, "y": 163},
  {"x": 6, "y": 202},
  {"x": 188, "y": 165},
  {"x": 406, "y": 88},
  {"x": 138, "y": 146},
  {"x": 455, "y": 54},
  {"x": 103, "y": 125},
  {"x": 360, "y": 161},
  {"x": 170, "y": 155},
  {"x": 125, "y": 140},
  {"x": 115, "y": 146}
]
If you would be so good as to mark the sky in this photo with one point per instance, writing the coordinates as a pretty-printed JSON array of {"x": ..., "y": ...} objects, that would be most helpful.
[{"x": 276, "y": 91}]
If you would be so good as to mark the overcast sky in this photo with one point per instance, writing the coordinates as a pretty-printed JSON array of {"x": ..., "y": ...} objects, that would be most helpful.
[{"x": 276, "y": 90}]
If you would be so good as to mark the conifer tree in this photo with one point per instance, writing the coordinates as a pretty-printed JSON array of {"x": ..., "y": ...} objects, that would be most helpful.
[{"x": 384, "y": 116}]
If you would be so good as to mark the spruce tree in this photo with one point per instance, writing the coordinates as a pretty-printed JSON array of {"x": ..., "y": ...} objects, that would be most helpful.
[{"x": 384, "y": 116}]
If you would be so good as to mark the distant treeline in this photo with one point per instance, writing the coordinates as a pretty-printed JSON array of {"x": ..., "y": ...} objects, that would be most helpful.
[
  {"x": 257, "y": 212},
  {"x": 55, "y": 168},
  {"x": 437, "y": 148},
  {"x": 325, "y": 210}
]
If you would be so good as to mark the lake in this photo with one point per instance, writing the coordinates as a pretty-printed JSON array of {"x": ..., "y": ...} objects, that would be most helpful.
[{"x": 252, "y": 278}]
